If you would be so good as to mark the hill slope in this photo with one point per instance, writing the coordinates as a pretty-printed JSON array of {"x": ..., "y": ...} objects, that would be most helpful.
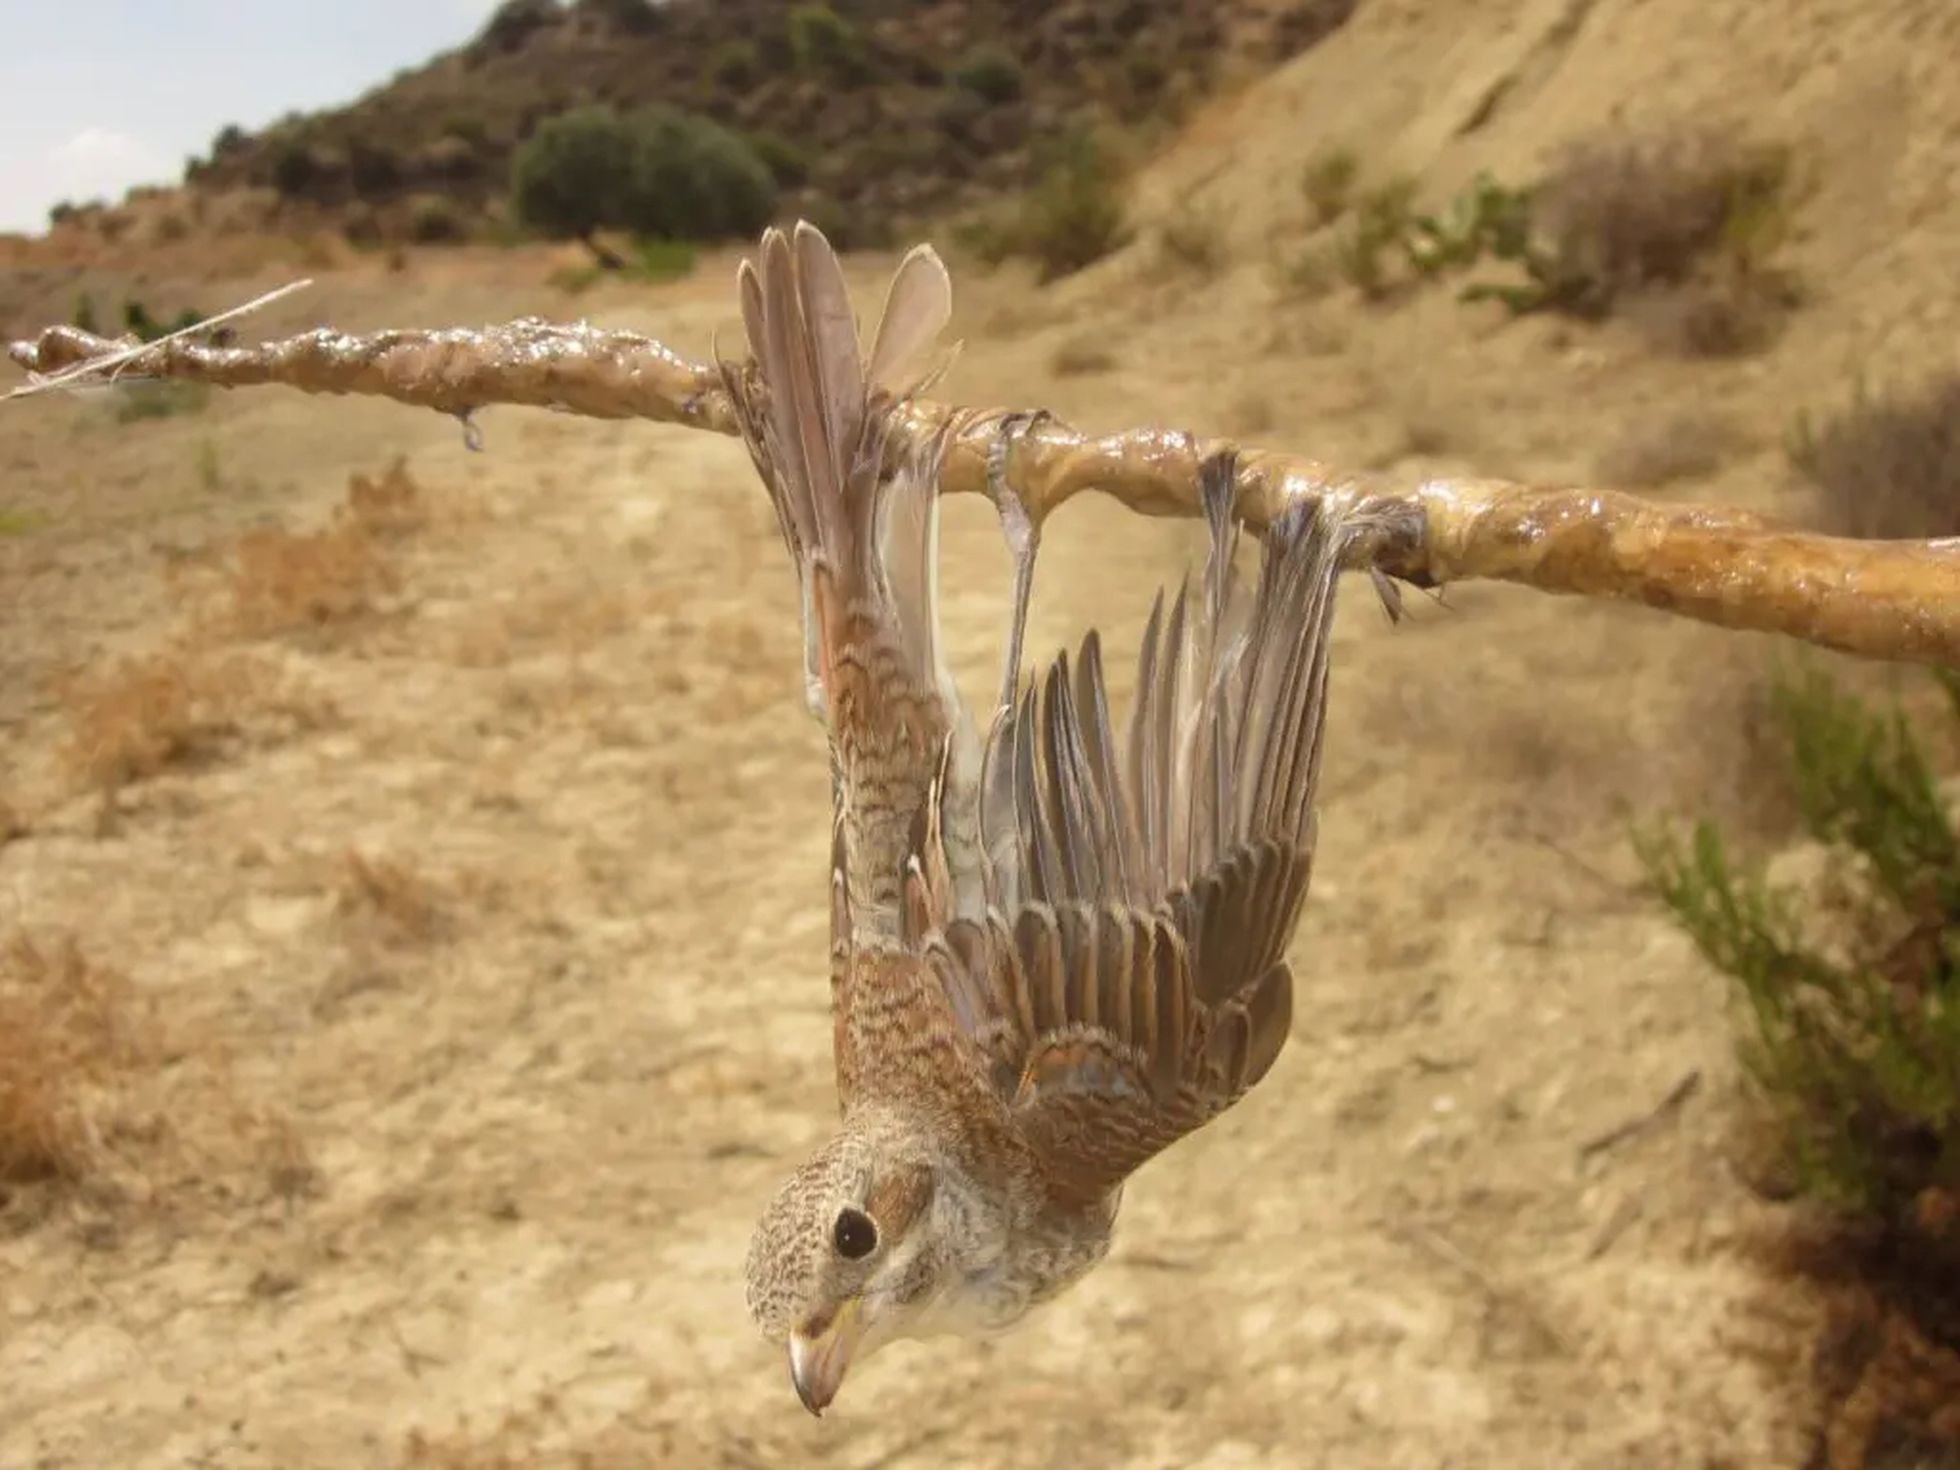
[{"x": 877, "y": 108}]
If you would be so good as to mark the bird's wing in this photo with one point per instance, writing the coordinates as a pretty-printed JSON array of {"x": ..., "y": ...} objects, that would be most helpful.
[
  {"x": 858, "y": 511},
  {"x": 1128, "y": 982}
]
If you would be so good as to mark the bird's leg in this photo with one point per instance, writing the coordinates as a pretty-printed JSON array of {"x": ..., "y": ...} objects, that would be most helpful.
[{"x": 1023, "y": 533}]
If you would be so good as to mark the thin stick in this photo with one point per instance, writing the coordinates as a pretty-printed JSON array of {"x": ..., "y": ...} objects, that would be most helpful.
[
  {"x": 115, "y": 362},
  {"x": 1881, "y": 599}
]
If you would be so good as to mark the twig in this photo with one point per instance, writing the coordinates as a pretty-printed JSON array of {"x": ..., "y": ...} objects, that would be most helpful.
[
  {"x": 115, "y": 361},
  {"x": 1652, "y": 1118},
  {"x": 1881, "y": 599}
]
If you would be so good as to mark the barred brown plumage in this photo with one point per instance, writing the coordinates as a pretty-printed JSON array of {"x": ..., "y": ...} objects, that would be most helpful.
[{"x": 1051, "y": 957}]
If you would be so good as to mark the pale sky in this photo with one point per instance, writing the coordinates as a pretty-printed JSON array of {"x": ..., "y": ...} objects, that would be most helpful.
[{"x": 96, "y": 95}]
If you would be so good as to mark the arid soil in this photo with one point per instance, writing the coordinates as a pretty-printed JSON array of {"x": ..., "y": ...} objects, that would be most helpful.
[{"x": 474, "y": 946}]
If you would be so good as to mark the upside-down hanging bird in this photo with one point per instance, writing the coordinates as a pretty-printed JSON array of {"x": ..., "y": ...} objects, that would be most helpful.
[{"x": 1055, "y": 950}]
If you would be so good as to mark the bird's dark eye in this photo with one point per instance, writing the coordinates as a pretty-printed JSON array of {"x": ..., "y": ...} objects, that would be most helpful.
[{"x": 855, "y": 1235}]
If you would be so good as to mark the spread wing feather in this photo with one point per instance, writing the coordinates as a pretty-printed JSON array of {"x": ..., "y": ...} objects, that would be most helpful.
[{"x": 1134, "y": 954}]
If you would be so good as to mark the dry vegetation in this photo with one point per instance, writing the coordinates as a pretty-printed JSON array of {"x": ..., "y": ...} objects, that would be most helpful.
[
  {"x": 286, "y": 581},
  {"x": 180, "y": 706},
  {"x": 1662, "y": 451},
  {"x": 1889, "y": 464},
  {"x": 384, "y": 899},
  {"x": 69, "y": 1031},
  {"x": 192, "y": 700}
]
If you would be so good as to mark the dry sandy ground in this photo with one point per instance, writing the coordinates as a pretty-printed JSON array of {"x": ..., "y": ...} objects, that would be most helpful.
[{"x": 468, "y": 1181}]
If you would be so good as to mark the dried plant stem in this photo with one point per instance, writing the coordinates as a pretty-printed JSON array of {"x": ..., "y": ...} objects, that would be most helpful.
[{"x": 1881, "y": 599}]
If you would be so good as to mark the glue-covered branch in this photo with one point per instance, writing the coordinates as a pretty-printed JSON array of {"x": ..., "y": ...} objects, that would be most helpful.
[{"x": 1881, "y": 599}]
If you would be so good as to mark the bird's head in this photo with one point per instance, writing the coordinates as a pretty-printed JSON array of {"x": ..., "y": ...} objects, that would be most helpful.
[{"x": 864, "y": 1244}]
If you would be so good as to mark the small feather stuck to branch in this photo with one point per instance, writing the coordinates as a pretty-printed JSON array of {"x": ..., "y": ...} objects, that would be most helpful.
[{"x": 1880, "y": 599}]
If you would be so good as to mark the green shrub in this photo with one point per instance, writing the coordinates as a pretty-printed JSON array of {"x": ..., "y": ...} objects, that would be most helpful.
[
  {"x": 821, "y": 40},
  {"x": 990, "y": 72},
  {"x": 372, "y": 168},
  {"x": 1623, "y": 213},
  {"x": 634, "y": 17},
  {"x": 1381, "y": 221},
  {"x": 1075, "y": 214},
  {"x": 435, "y": 220},
  {"x": 570, "y": 177},
  {"x": 294, "y": 169},
  {"x": 1887, "y": 466},
  {"x": 735, "y": 64},
  {"x": 137, "y": 319},
  {"x": 787, "y": 162},
  {"x": 1328, "y": 181},
  {"x": 655, "y": 172},
  {"x": 1193, "y": 241},
  {"x": 693, "y": 179},
  {"x": 514, "y": 22},
  {"x": 1852, "y": 996}
]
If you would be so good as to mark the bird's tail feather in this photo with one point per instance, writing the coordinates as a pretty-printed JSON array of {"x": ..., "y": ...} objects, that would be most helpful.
[{"x": 817, "y": 414}]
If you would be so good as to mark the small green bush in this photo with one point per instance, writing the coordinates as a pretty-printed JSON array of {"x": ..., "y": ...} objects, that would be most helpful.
[
  {"x": 821, "y": 40},
  {"x": 990, "y": 73},
  {"x": 137, "y": 319},
  {"x": 1381, "y": 221},
  {"x": 1853, "y": 1002},
  {"x": 373, "y": 168},
  {"x": 435, "y": 220},
  {"x": 1075, "y": 214},
  {"x": 1328, "y": 181},
  {"x": 693, "y": 179},
  {"x": 294, "y": 169},
  {"x": 1193, "y": 241},
  {"x": 1887, "y": 466},
  {"x": 787, "y": 162},
  {"x": 656, "y": 172},
  {"x": 735, "y": 64}
]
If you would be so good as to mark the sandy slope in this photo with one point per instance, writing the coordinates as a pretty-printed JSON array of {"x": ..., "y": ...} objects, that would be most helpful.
[{"x": 534, "y": 1141}]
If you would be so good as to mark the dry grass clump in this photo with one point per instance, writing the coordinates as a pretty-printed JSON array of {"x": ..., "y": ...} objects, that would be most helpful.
[
  {"x": 180, "y": 706},
  {"x": 1660, "y": 451},
  {"x": 1625, "y": 213},
  {"x": 390, "y": 504},
  {"x": 1193, "y": 241},
  {"x": 386, "y": 900},
  {"x": 150, "y": 713},
  {"x": 1686, "y": 224},
  {"x": 1328, "y": 181},
  {"x": 285, "y": 581},
  {"x": 96, "y": 1092},
  {"x": 282, "y": 581},
  {"x": 1887, "y": 466},
  {"x": 67, "y": 1029}
]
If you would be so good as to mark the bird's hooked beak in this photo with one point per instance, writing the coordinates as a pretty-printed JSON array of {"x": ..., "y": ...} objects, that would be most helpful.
[{"x": 818, "y": 1361}]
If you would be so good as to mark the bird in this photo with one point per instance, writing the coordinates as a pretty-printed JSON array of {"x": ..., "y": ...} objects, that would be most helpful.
[{"x": 1057, "y": 947}]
